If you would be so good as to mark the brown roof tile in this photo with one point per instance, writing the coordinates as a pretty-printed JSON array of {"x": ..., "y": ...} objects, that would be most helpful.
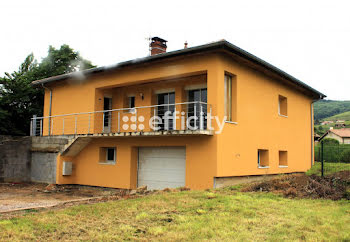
[{"x": 345, "y": 132}]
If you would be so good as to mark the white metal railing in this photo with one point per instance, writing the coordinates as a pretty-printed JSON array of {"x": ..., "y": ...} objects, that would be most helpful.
[{"x": 179, "y": 116}]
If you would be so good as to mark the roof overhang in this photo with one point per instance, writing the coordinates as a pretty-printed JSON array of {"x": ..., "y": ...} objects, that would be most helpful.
[{"x": 215, "y": 46}]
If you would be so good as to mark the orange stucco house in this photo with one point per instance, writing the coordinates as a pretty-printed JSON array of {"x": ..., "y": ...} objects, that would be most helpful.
[{"x": 192, "y": 117}]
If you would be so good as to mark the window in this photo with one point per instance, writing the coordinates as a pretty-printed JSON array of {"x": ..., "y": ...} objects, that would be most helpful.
[
  {"x": 166, "y": 102},
  {"x": 263, "y": 158},
  {"x": 283, "y": 158},
  {"x": 282, "y": 106},
  {"x": 131, "y": 102},
  {"x": 195, "y": 109},
  {"x": 108, "y": 155},
  {"x": 230, "y": 98}
]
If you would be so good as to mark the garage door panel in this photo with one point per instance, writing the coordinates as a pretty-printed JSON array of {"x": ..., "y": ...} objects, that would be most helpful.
[{"x": 161, "y": 167}]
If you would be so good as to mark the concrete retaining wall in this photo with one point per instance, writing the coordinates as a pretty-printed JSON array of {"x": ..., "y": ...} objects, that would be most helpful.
[
  {"x": 43, "y": 168},
  {"x": 15, "y": 158},
  {"x": 25, "y": 159}
]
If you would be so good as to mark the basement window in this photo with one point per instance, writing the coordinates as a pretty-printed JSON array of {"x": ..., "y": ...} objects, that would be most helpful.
[
  {"x": 263, "y": 158},
  {"x": 283, "y": 158},
  {"x": 282, "y": 106},
  {"x": 108, "y": 155}
]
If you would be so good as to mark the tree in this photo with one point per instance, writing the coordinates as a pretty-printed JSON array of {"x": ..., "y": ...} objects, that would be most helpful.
[{"x": 19, "y": 101}]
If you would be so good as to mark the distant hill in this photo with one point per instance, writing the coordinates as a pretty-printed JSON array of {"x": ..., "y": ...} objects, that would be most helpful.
[
  {"x": 341, "y": 116},
  {"x": 328, "y": 108}
]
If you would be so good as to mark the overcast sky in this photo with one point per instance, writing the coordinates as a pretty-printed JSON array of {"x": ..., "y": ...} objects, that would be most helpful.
[{"x": 308, "y": 39}]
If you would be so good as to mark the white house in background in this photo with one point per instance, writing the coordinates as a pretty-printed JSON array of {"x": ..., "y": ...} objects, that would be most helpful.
[{"x": 342, "y": 135}]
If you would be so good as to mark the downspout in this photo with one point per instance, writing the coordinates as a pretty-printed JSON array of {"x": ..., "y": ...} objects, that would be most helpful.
[{"x": 50, "y": 106}]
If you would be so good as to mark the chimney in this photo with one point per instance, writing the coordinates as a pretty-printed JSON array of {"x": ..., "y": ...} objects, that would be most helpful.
[
  {"x": 158, "y": 46},
  {"x": 185, "y": 47}
]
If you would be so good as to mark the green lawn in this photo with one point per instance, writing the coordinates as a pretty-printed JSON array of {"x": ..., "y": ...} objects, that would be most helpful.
[
  {"x": 329, "y": 168},
  {"x": 189, "y": 215},
  {"x": 340, "y": 116}
]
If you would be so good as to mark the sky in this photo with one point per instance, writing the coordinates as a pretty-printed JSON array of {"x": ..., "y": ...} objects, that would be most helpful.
[{"x": 308, "y": 39}]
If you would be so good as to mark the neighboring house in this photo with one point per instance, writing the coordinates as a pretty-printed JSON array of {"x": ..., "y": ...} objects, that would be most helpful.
[
  {"x": 340, "y": 124},
  {"x": 326, "y": 122},
  {"x": 342, "y": 135},
  {"x": 159, "y": 120}
]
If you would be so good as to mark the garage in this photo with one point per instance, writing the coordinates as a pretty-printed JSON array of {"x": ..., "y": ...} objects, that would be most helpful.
[{"x": 161, "y": 167}]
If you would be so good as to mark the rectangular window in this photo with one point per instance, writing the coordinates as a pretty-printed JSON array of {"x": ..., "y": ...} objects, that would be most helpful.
[
  {"x": 263, "y": 158},
  {"x": 282, "y": 106},
  {"x": 283, "y": 158},
  {"x": 108, "y": 155},
  {"x": 230, "y": 98}
]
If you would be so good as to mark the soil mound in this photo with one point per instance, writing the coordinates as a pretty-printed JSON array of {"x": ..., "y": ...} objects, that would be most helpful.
[{"x": 335, "y": 186}]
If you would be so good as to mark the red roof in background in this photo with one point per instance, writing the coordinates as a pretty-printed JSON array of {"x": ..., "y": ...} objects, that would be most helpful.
[{"x": 345, "y": 132}]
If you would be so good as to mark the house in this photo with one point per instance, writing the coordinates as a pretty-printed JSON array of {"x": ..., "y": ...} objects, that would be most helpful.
[
  {"x": 180, "y": 118},
  {"x": 326, "y": 122},
  {"x": 340, "y": 124},
  {"x": 342, "y": 135}
]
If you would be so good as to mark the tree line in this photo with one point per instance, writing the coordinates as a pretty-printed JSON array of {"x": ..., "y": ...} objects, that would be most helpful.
[{"x": 19, "y": 100}]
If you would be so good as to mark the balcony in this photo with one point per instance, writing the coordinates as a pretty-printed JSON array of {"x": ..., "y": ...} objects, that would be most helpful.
[{"x": 188, "y": 118}]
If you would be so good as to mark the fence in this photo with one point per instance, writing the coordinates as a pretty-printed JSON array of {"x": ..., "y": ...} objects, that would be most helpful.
[
  {"x": 331, "y": 158},
  {"x": 178, "y": 116}
]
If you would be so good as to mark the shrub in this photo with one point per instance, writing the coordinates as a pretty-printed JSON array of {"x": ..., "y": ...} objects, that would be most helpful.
[
  {"x": 330, "y": 141},
  {"x": 345, "y": 156}
]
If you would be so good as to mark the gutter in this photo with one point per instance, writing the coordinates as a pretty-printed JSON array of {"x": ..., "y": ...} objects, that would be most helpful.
[{"x": 50, "y": 106}]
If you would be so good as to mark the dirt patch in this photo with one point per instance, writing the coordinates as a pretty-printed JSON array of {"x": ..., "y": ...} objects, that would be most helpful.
[
  {"x": 19, "y": 196},
  {"x": 335, "y": 186}
]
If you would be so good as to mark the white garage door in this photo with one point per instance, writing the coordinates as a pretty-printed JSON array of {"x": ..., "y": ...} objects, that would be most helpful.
[{"x": 162, "y": 167}]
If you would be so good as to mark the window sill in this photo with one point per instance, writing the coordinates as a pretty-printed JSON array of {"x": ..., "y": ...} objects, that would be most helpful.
[
  {"x": 283, "y": 166},
  {"x": 263, "y": 167},
  {"x": 107, "y": 163},
  {"x": 231, "y": 122},
  {"x": 284, "y": 116}
]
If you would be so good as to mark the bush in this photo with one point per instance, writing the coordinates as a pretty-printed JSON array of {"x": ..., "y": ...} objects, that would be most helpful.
[
  {"x": 330, "y": 141},
  {"x": 345, "y": 156}
]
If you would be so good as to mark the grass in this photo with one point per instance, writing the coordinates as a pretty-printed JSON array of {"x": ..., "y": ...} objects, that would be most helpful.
[
  {"x": 329, "y": 168},
  {"x": 340, "y": 116},
  {"x": 190, "y": 215}
]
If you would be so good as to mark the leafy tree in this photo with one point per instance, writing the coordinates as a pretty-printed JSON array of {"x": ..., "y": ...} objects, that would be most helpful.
[{"x": 19, "y": 101}]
